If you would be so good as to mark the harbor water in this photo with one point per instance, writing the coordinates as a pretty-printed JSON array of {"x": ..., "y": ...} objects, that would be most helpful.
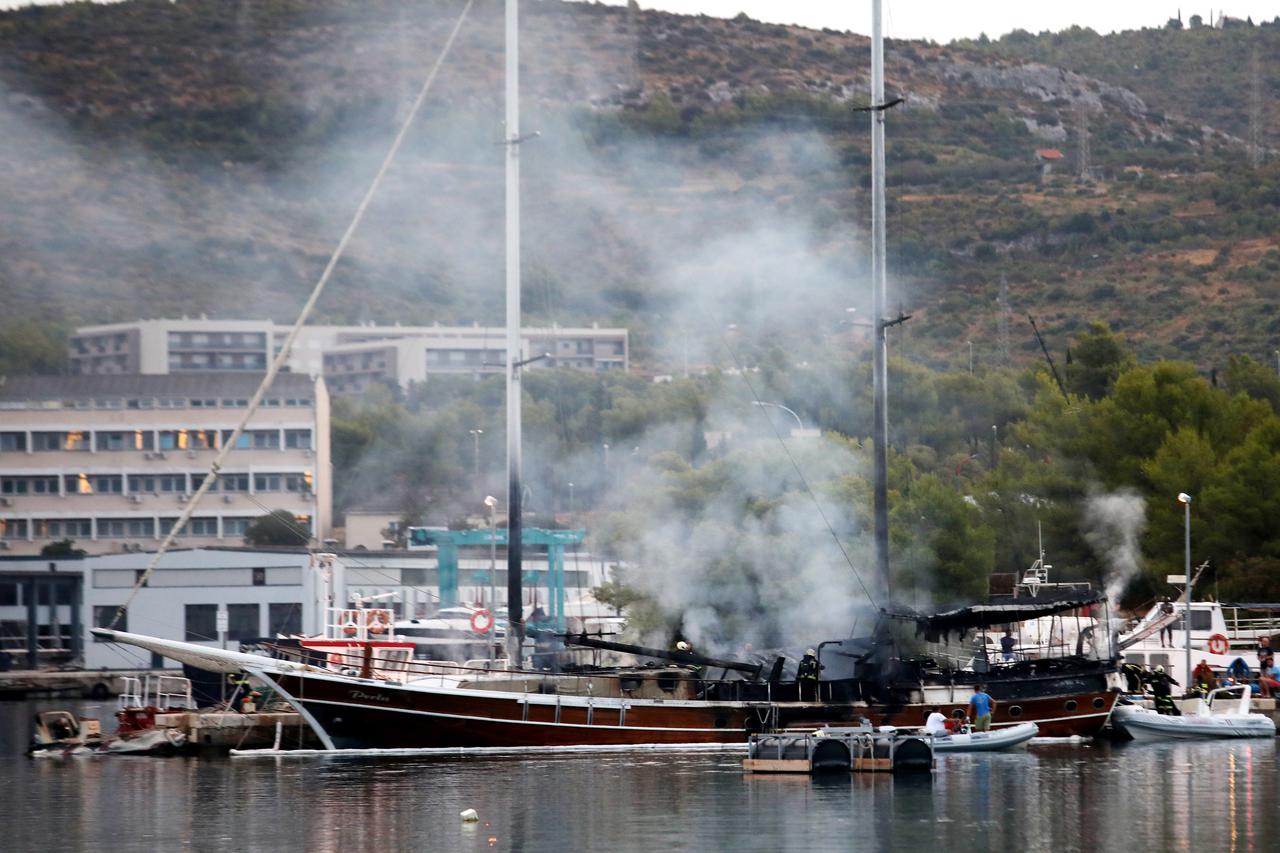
[{"x": 1221, "y": 796}]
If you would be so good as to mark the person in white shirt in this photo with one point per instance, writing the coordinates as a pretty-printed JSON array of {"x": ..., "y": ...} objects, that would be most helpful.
[{"x": 936, "y": 725}]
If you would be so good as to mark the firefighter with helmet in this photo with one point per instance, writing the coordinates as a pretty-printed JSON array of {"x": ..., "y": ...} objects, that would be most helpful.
[{"x": 807, "y": 676}]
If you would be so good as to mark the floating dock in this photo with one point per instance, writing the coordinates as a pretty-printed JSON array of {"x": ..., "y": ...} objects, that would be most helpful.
[
  {"x": 860, "y": 750},
  {"x": 226, "y": 730}
]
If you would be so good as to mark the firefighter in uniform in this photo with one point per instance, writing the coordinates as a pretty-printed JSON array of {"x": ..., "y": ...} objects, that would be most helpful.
[
  {"x": 807, "y": 676},
  {"x": 1160, "y": 681}
]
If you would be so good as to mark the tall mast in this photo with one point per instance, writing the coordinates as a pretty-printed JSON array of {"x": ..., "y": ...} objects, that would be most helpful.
[
  {"x": 880, "y": 413},
  {"x": 515, "y": 542}
]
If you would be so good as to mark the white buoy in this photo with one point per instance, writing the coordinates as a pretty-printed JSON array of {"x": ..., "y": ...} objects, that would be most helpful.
[{"x": 470, "y": 816}]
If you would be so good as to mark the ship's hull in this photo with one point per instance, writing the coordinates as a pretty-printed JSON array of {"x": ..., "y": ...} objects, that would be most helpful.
[{"x": 357, "y": 714}]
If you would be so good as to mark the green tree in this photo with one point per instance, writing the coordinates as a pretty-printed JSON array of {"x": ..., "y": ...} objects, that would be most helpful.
[
  {"x": 1098, "y": 358},
  {"x": 277, "y": 528}
]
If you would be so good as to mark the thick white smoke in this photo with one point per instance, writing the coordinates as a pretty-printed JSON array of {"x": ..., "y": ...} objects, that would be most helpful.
[{"x": 1113, "y": 524}]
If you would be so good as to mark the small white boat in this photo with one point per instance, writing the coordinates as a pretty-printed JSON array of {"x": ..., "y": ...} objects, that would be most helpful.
[
  {"x": 1220, "y": 716},
  {"x": 1006, "y": 737}
]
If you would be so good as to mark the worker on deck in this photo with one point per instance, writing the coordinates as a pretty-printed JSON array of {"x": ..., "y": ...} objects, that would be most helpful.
[
  {"x": 936, "y": 724},
  {"x": 807, "y": 676},
  {"x": 1007, "y": 645},
  {"x": 1160, "y": 682},
  {"x": 1166, "y": 609},
  {"x": 1202, "y": 679}
]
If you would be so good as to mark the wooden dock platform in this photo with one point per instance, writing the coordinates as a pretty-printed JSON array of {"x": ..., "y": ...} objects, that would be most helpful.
[{"x": 70, "y": 683}]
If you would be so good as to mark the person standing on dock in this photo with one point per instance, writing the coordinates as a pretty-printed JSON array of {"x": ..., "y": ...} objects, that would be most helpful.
[{"x": 981, "y": 706}]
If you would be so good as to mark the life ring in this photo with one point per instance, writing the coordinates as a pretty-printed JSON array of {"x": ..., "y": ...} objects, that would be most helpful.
[
  {"x": 481, "y": 622},
  {"x": 377, "y": 622},
  {"x": 1218, "y": 644}
]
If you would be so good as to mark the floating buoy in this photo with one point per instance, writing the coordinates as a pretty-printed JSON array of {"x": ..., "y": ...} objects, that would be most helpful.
[{"x": 470, "y": 816}]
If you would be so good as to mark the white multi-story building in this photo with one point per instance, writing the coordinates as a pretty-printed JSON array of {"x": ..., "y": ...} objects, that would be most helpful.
[
  {"x": 110, "y": 461},
  {"x": 349, "y": 357}
]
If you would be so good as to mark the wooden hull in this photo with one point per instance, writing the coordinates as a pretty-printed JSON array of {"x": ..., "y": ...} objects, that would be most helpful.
[{"x": 361, "y": 714}]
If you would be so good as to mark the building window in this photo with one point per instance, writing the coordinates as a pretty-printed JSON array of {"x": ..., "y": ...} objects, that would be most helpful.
[
  {"x": 107, "y": 484},
  {"x": 47, "y": 442},
  {"x": 65, "y": 528},
  {"x": 104, "y": 615},
  {"x": 235, "y": 526},
  {"x": 266, "y": 439},
  {"x": 235, "y": 482},
  {"x": 259, "y": 576},
  {"x": 284, "y": 619},
  {"x": 297, "y": 439},
  {"x": 266, "y": 482},
  {"x": 13, "y": 442},
  {"x": 9, "y": 595},
  {"x": 201, "y": 623},
  {"x": 141, "y": 484},
  {"x": 242, "y": 622},
  {"x": 202, "y": 527},
  {"x": 13, "y": 528}
]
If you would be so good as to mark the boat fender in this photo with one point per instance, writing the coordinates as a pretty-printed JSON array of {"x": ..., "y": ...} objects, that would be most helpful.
[
  {"x": 481, "y": 621},
  {"x": 1218, "y": 644},
  {"x": 469, "y": 816}
]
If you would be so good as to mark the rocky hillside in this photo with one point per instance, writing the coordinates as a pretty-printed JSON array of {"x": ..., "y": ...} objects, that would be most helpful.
[{"x": 692, "y": 174}]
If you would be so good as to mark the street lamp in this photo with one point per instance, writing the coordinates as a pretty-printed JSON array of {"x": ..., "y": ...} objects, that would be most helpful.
[
  {"x": 491, "y": 503},
  {"x": 764, "y": 405},
  {"x": 475, "y": 436},
  {"x": 1185, "y": 500},
  {"x": 571, "y": 502}
]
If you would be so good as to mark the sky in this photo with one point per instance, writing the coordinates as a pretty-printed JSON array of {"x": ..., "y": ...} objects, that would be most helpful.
[{"x": 943, "y": 20}]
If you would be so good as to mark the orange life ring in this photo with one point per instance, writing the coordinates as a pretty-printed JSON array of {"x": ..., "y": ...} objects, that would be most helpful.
[
  {"x": 377, "y": 622},
  {"x": 481, "y": 622},
  {"x": 1218, "y": 644}
]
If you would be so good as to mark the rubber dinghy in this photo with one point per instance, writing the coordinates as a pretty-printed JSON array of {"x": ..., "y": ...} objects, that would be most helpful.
[
  {"x": 1220, "y": 716},
  {"x": 1006, "y": 737}
]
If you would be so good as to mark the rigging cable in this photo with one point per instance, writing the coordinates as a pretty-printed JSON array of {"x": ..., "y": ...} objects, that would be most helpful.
[
  {"x": 804, "y": 481},
  {"x": 278, "y": 362}
]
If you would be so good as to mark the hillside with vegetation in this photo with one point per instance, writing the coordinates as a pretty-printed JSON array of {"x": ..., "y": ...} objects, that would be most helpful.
[{"x": 704, "y": 182}]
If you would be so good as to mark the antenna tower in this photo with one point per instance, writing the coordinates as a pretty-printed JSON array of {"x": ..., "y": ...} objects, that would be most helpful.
[
  {"x": 1002, "y": 321},
  {"x": 1255, "y": 111},
  {"x": 1082, "y": 139}
]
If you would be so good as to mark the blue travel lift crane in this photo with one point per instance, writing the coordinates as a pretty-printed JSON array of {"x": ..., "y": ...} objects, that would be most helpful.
[{"x": 447, "y": 543}]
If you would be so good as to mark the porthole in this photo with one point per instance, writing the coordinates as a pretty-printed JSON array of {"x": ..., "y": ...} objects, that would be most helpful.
[
  {"x": 1099, "y": 703},
  {"x": 721, "y": 722},
  {"x": 1071, "y": 705},
  {"x": 1015, "y": 710}
]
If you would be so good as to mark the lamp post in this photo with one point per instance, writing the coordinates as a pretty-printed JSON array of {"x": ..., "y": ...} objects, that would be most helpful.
[
  {"x": 475, "y": 437},
  {"x": 764, "y": 405},
  {"x": 492, "y": 503},
  {"x": 571, "y": 502},
  {"x": 1185, "y": 500}
]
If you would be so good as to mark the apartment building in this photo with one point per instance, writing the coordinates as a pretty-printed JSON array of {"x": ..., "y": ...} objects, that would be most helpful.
[
  {"x": 349, "y": 357},
  {"x": 110, "y": 461}
]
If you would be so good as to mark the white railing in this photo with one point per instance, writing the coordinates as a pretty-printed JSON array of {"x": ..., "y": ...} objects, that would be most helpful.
[
  {"x": 350, "y": 623},
  {"x": 156, "y": 691}
]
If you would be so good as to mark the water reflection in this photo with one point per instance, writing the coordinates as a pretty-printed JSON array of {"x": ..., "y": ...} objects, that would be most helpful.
[{"x": 1209, "y": 796}]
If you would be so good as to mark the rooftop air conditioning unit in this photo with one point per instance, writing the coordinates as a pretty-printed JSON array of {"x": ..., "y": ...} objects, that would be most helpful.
[
  {"x": 307, "y": 453},
  {"x": 226, "y": 499},
  {"x": 135, "y": 499},
  {"x": 148, "y": 455},
  {"x": 183, "y": 498},
  {"x": 191, "y": 454},
  {"x": 159, "y": 454},
  {"x": 4, "y": 546},
  {"x": 5, "y": 502}
]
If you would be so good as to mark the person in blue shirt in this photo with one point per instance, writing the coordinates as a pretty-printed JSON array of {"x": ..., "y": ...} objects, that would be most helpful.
[{"x": 981, "y": 706}]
